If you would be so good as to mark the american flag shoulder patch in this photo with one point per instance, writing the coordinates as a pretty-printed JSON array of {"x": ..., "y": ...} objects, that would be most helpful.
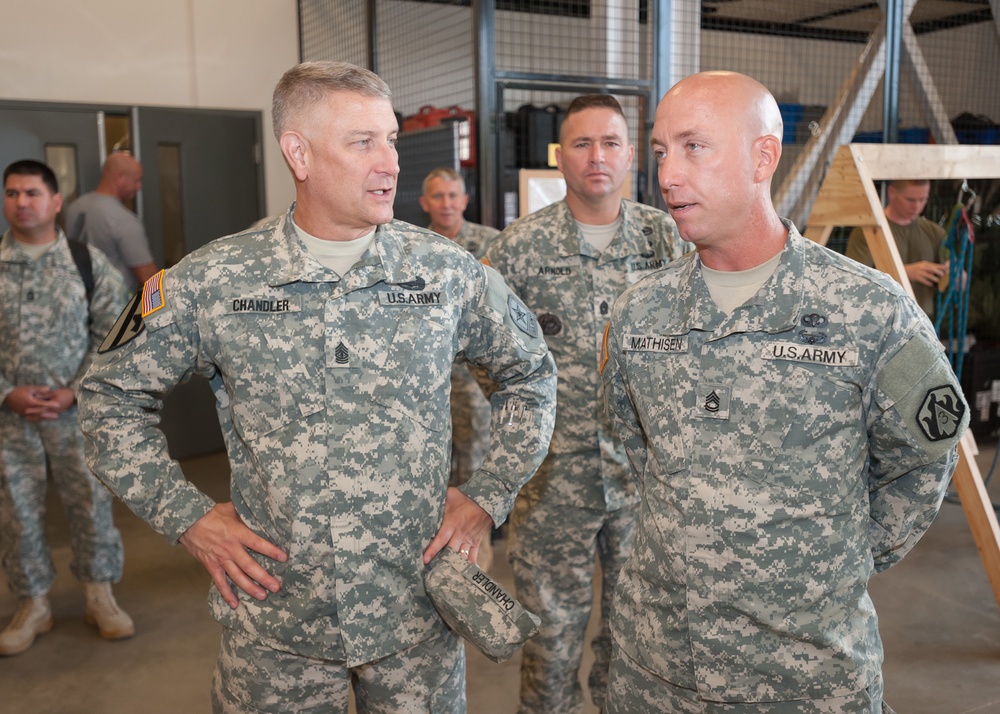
[{"x": 152, "y": 295}]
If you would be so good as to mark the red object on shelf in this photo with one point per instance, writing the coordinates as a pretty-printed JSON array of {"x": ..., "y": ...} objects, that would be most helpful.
[{"x": 428, "y": 116}]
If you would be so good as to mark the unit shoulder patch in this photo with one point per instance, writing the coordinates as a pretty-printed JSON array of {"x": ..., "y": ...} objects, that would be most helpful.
[
  {"x": 128, "y": 326},
  {"x": 941, "y": 412}
]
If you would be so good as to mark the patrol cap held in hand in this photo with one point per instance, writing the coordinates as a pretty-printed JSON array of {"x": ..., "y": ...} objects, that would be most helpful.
[{"x": 477, "y": 607}]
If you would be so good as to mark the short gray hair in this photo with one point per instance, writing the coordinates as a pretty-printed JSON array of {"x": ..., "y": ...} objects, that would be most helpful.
[
  {"x": 443, "y": 172},
  {"x": 307, "y": 84}
]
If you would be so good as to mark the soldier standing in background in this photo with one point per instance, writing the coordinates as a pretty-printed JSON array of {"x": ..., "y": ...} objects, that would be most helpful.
[
  {"x": 100, "y": 218},
  {"x": 445, "y": 200},
  {"x": 50, "y": 326},
  {"x": 569, "y": 262}
]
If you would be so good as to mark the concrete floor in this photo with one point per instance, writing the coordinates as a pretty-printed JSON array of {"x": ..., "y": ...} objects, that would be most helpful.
[{"x": 939, "y": 620}]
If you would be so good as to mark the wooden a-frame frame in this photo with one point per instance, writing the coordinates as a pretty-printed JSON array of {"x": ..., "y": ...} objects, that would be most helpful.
[{"x": 847, "y": 197}]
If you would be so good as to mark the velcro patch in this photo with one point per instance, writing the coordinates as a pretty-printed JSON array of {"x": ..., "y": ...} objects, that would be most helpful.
[
  {"x": 152, "y": 295},
  {"x": 403, "y": 298},
  {"x": 128, "y": 326},
  {"x": 263, "y": 305},
  {"x": 713, "y": 401}
]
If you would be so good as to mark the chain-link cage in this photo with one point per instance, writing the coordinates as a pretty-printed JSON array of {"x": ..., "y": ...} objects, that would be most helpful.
[{"x": 824, "y": 60}]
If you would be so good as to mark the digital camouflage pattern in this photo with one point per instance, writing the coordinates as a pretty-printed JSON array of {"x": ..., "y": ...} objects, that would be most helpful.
[
  {"x": 470, "y": 409},
  {"x": 48, "y": 336},
  {"x": 333, "y": 401},
  {"x": 645, "y": 693},
  {"x": 250, "y": 677},
  {"x": 477, "y": 607},
  {"x": 581, "y": 499},
  {"x": 474, "y": 237},
  {"x": 785, "y": 454},
  {"x": 571, "y": 288}
]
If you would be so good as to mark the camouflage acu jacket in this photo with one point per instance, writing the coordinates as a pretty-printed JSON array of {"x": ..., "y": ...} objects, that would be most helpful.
[
  {"x": 572, "y": 287},
  {"x": 333, "y": 400},
  {"x": 48, "y": 331},
  {"x": 786, "y": 452}
]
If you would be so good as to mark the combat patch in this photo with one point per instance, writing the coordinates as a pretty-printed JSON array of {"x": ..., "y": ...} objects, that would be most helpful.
[
  {"x": 794, "y": 352},
  {"x": 940, "y": 414},
  {"x": 654, "y": 343},
  {"x": 153, "y": 297},
  {"x": 128, "y": 326},
  {"x": 521, "y": 316}
]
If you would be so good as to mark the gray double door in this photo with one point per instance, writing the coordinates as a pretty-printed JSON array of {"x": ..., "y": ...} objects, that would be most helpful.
[{"x": 202, "y": 179}]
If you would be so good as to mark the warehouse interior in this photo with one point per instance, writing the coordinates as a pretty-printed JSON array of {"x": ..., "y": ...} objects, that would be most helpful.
[{"x": 481, "y": 85}]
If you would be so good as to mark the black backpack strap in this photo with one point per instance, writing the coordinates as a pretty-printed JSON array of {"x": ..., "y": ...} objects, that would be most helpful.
[{"x": 84, "y": 265}]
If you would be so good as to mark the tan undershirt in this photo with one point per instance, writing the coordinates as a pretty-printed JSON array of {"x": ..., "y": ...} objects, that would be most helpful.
[{"x": 731, "y": 288}]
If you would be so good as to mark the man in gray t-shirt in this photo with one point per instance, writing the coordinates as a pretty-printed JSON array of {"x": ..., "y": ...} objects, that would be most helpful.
[{"x": 100, "y": 219}]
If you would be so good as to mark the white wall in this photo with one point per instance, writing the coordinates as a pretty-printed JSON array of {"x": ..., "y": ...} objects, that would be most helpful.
[{"x": 218, "y": 54}]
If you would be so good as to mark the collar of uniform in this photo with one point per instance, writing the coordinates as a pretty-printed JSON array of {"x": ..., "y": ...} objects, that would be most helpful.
[
  {"x": 292, "y": 263},
  {"x": 773, "y": 309},
  {"x": 776, "y": 306},
  {"x": 396, "y": 266},
  {"x": 629, "y": 241},
  {"x": 11, "y": 251},
  {"x": 570, "y": 241}
]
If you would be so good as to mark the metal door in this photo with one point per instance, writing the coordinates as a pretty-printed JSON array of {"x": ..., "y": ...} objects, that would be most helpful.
[
  {"x": 201, "y": 176},
  {"x": 201, "y": 180},
  {"x": 69, "y": 139}
]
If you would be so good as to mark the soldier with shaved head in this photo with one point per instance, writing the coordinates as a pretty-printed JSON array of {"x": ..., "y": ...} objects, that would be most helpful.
[{"x": 792, "y": 422}]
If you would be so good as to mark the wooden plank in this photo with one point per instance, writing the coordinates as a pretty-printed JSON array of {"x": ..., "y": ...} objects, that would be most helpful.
[
  {"x": 928, "y": 161},
  {"x": 979, "y": 512},
  {"x": 885, "y": 254},
  {"x": 839, "y": 202},
  {"x": 852, "y": 177}
]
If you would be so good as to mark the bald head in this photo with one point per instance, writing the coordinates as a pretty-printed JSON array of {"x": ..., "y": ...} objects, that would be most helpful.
[
  {"x": 717, "y": 141},
  {"x": 121, "y": 176},
  {"x": 737, "y": 100}
]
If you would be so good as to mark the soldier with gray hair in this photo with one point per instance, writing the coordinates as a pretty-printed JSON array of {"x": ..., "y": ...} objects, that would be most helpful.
[
  {"x": 328, "y": 336},
  {"x": 445, "y": 200},
  {"x": 793, "y": 424}
]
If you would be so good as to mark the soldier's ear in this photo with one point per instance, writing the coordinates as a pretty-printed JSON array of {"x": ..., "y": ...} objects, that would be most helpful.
[{"x": 296, "y": 150}]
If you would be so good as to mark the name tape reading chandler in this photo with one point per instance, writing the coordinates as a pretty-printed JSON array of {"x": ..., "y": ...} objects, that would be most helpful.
[{"x": 477, "y": 607}]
